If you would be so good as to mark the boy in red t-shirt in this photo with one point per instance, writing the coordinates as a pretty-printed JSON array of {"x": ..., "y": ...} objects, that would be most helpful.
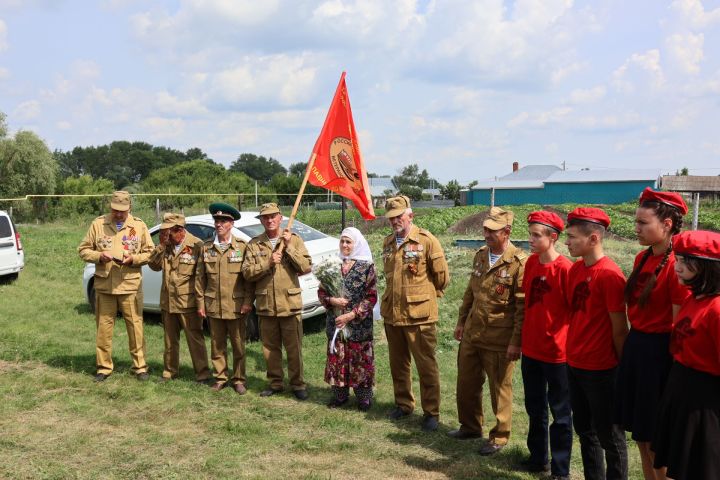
[
  {"x": 598, "y": 327},
  {"x": 544, "y": 371}
]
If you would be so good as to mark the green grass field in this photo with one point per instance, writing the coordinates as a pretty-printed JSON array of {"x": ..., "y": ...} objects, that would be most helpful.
[{"x": 57, "y": 423}]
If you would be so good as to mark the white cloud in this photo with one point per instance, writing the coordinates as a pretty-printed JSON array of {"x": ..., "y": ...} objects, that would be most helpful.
[
  {"x": 590, "y": 95},
  {"x": 27, "y": 110},
  {"x": 4, "y": 73},
  {"x": 541, "y": 119},
  {"x": 160, "y": 128},
  {"x": 85, "y": 69},
  {"x": 693, "y": 12},
  {"x": 3, "y": 36},
  {"x": 686, "y": 51},
  {"x": 63, "y": 125},
  {"x": 559, "y": 74},
  {"x": 639, "y": 68},
  {"x": 278, "y": 80},
  {"x": 171, "y": 105}
]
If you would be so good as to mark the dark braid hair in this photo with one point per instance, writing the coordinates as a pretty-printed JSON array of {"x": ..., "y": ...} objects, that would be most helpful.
[{"x": 662, "y": 212}]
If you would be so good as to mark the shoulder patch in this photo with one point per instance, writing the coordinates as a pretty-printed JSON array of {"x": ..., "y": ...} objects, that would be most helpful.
[{"x": 521, "y": 254}]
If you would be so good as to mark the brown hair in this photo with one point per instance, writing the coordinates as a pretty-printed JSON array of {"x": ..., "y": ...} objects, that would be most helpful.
[
  {"x": 662, "y": 211},
  {"x": 707, "y": 276}
]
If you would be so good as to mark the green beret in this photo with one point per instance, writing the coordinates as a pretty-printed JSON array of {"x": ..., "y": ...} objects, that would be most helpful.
[{"x": 223, "y": 210}]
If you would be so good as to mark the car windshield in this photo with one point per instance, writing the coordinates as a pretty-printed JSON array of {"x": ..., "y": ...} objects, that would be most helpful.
[{"x": 305, "y": 232}]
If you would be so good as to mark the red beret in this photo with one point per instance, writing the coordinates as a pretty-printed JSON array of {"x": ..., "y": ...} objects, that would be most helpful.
[
  {"x": 590, "y": 214},
  {"x": 549, "y": 219},
  {"x": 698, "y": 243},
  {"x": 668, "y": 198}
]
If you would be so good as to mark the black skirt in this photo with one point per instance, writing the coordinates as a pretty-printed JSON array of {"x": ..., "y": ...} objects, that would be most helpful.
[
  {"x": 641, "y": 379},
  {"x": 687, "y": 438}
]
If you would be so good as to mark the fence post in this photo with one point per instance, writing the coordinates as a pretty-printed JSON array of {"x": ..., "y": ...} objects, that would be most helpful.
[
  {"x": 492, "y": 197},
  {"x": 157, "y": 210},
  {"x": 256, "y": 196},
  {"x": 696, "y": 209},
  {"x": 11, "y": 215}
]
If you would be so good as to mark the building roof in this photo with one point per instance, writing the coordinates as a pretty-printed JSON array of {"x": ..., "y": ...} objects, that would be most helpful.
[
  {"x": 567, "y": 176},
  {"x": 531, "y": 172},
  {"x": 599, "y": 176},
  {"x": 691, "y": 183}
]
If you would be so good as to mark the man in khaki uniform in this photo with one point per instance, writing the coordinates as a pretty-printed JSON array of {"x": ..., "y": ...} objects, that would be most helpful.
[
  {"x": 416, "y": 273},
  {"x": 488, "y": 329},
  {"x": 119, "y": 244},
  {"x": 224, "y": 296},
  {"x": 177, "y": 256},
  {"x": 278, "y": 298}
]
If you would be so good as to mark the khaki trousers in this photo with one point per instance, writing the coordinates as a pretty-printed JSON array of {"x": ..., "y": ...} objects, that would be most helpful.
[
  {"x": 474, "y": 364},
  {"x": 193, "y": 326},
  {"x": 106, "y": 310},
  {"x": 420, "y": 341},
  {"x": 276, "y": 332},
  {"x": 220, "y": 330}
]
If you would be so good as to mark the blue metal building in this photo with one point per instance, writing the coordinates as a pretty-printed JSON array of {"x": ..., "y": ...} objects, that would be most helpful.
[{"x": 549, "y": 185}]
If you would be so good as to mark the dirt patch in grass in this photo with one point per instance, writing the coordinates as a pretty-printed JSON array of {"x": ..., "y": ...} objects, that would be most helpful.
[{"x": 472, "y": 224}]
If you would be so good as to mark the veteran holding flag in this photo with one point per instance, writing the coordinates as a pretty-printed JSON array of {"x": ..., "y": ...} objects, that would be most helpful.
[
  {"x": 177, "y": 256},
  {"x": 278, "y": 298},
  {"x": 416, "y": 273},
  {"x": 119, "y": 244}
]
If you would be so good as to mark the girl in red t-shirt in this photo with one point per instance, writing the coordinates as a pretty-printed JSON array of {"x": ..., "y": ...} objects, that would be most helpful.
[
  {"x": 653, "y": 295},
  {"x": 687, "y": 437}
]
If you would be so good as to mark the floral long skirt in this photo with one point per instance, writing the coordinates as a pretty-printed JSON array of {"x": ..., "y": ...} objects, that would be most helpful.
[{"x": 352, "y": 364}]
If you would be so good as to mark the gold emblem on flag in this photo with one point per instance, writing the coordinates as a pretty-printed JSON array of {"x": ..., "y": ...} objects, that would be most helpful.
[{"x": 343, "y": 162}]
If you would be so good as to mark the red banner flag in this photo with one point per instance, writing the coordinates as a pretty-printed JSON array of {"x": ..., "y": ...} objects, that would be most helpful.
[{"x": 338, "y": 165}]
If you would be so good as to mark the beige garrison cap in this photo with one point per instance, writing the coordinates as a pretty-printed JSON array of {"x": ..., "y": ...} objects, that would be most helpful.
[
  {"x": 498, "y": 219},
  {"x": 395, "y": 206},
  {"x": 172, "y": 220},
  {"x": 120, "y": 201},
  {"x": 268, "y": 209}
]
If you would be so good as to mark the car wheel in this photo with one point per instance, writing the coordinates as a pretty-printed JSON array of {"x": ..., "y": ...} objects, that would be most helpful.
[
  {"x": 252, "y": 327},
  {"x": 91, "y": 297},
  {"x": 7, "y": 279}
]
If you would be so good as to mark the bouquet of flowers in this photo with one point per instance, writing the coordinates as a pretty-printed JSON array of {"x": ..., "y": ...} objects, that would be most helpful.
[{"x": 329, "y": 273}]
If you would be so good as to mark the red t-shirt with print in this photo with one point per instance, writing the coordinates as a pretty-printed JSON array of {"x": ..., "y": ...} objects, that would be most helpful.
[
  {"x": 656, "y": 315},
  {"x": 593, "y": 293},
  {"x": 545, "y": 326},
  {"x": 695, "y": 339}
]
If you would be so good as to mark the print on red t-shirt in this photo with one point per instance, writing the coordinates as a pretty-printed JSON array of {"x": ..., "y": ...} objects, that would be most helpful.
[
  {"x": 695, "y": 339},
  {"x": 596, "y": 291},
  {"x": 656, "y": 315},
  {"x": 544, "y": 331}
]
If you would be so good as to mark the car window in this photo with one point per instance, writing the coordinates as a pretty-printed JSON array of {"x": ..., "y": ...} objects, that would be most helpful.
[
  {"x": 203, "y": 232},
  {"x": 5, "y": 229},
  {"x": 305, "y": 232}
]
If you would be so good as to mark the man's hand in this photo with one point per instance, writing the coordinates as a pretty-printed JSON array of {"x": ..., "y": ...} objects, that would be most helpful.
[
  {"x": 164, "y": 236},
  {"x": 127, "y": 260},
  {"x": 276, "y": 257},
  {"x": 342, "y": 320},
  {"x": 105, "y": 257},
  {"x": 513, "y": 352},
  {"x": 245, "y": 309},
  {"x": 459, "y": 329},
  {"x": 201, "y": 312},
  {"x": 286, "y": 236}
]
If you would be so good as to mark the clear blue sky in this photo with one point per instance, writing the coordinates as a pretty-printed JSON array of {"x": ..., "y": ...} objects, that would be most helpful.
[{"x": 462, "y": 88}]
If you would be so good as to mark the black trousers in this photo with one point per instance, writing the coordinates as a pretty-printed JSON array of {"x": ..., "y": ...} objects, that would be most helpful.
[
  {"x": 591, "y": 395},
  {"x": 546, "y": 385}
]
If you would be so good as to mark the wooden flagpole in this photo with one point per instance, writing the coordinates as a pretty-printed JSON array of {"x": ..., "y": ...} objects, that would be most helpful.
[{"x": 281, "y": 245}]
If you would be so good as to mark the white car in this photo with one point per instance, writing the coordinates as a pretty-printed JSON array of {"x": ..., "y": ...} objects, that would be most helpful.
[
  {"x": 12, "y": 256},
  {"x": 319, "y": 245}
]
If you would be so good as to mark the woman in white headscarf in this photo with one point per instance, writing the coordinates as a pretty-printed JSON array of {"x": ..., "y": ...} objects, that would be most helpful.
[{"x": 350, "y": 361}]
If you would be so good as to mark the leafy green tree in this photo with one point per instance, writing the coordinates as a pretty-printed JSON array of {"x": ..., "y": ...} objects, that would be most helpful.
[
  {"x": 298, "y": 169},
  {"x": 451, "y": 191},
  {"x": 411, "y": 176},
  {"x": 124, "y": 163},
  {"x": 27, "y": 168},
  {"x": 196, "y": 176},
  {"x": 82, "y": 185},
  {"x": 257, "y": 167}
]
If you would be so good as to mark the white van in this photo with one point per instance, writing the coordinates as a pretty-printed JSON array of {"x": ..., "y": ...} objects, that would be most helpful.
[{"x": 12, "y": 257}]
